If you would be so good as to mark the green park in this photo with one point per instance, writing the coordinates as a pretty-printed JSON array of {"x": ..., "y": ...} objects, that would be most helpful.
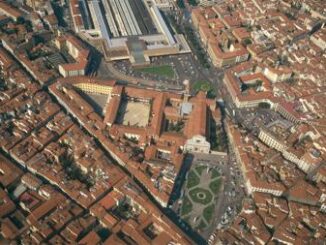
[
  {"x": 162, "y": 70},
  {"x": 202, "y": 186}
]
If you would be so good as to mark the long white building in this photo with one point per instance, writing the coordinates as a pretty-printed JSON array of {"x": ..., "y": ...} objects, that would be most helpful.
[{"x": 126, "y": 29}]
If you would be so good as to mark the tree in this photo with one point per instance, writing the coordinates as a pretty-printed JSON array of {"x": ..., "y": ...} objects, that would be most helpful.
[
  {"x": 247, "y": 42},
  {"x": 244, "y": 87},
  {"x": 181, "y": 4},
  {"x": 259, "y": 83},
  {"x": 29, "y": 25},
  {"x": 20, "y": 20}
]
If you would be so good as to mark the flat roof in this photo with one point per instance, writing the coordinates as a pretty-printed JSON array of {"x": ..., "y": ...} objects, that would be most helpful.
[
  {"x": 136, "y": 48},
  {"x": 119, "y": 19}
]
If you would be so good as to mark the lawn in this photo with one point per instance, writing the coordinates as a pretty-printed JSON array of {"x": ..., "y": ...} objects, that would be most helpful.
[
  {"x": 204, "y": 86},
  {"x": 186, "y": 206},
  {"x": 215, "y": 185},
  {"x": 163, "y": 70},
  {"x": 192, "y": 180},
  {"x": 201, "y": 225},
  {"x": 175, "y": 127},
  {"x": 200, "y": 169},
  {"x": 186, "y": 219},
  {"x": 208, "y": 212},
  {"x": 215, "y": 173},
  {"x": 200, "y": 195}
]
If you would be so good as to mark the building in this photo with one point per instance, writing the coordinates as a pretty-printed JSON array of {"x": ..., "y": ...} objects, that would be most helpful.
[
  {"x": 148, "y": 131},
  {"x": 319, "y": 38},
  {"x": 10, "y": 11},
  {"x": 77, "y": 50},
  {"x": 212, "y": 30},
  {"x": 134, "y": 30},
  {"x": 279, "y": 74}
]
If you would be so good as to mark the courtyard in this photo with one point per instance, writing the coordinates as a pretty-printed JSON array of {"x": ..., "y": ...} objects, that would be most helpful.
[
  {"x": 133, "y": 113},
  {"x": 97, "y": 101}
]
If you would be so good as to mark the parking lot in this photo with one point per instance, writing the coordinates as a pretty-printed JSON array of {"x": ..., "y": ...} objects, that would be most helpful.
[
  {"x": 254, "y": 118},
  {"x": 185, "y": 67}
]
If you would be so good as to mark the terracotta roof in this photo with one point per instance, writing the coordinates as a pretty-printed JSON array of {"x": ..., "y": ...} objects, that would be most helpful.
[
  {"x": 10, "y": 10},
  {"x": 197, "y": 123}
]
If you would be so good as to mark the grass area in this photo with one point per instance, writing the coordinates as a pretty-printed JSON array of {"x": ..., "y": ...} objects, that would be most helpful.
[
  {"x": 200, "y": 195},
  {"x": 215, "y": 185},
  {"x": 208, "y": 213},
  {"x": 192, "y": 180},
  {"x": 163, "y": 70},
  {"x": 202, "y": 225},
  {"x": 199, "y": 200},
  {"x": 175, "y": 126},
  {"x": 204, "y": 86},
  {"x": 186, "y": 219},
  {"x": 200, "y": 169},
  {"x": 186, "y": 206},
  {"x": 215, "y": 173}
]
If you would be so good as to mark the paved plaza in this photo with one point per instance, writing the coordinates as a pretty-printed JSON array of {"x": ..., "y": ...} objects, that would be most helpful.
[{"x": 134, "y": 113}]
